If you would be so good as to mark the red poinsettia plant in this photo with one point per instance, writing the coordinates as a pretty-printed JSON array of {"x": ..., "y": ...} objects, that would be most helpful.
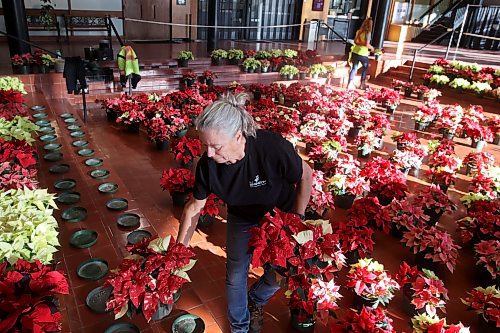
[
  {"x": 481, "y": 222},
  {"x": 494, "y": 125},
  {"x": 404, "y": 139},
  {"x": 209, "y": 75},
  {"x": 424, "y": 287},
  {"x": 450, "y": 120},
  {"x": 355, "y": 238},
  {"x": 27, "y": 297},
  {"x": 17, "y": 177},
  {"x": 486, "y": 303},
  {"x": 488, "y": 255},
  {"x": 441, "y": 327},
  {"x": 385, "y": 178},
  {"x": 389, "y": 97},
  {"x": 212, "y": 206},
  {"x": 433, "y": 244},
  {"x": 370, "y": 281},
  {"x": 189, "y": 75},
  {"x": 158, "y": 129},
  {"x": 17, "y": 152},
  {"x": 150, "y": 276},
  {"x": 11, "y": 104},
  {"x": 186, "y": 149},
  {"x": 368, "y": 320},
  {"x": 479, "y": 162},
  {"x": 177, "y": 180},
  {"x": 478, "y": 132},
  {"x": 399, "y": 216},
  {"x": 434, "y": 201}
]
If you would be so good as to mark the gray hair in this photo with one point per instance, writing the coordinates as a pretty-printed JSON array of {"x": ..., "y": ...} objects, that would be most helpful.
[{"x": 228, "y": 114}]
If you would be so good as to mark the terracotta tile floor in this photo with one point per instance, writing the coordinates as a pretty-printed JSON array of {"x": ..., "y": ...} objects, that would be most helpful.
[{"x": 136, "y": 166}]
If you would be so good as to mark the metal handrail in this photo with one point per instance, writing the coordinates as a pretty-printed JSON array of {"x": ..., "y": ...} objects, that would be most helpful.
[
  {"x": 335, "y": 32},
  {"x": 112, "y": 25},
  {"x": 431, "y": 9},
  {"x": 30, "y": 43}
]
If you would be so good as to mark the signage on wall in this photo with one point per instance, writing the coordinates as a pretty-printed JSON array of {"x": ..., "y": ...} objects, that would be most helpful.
[
  {"x": 181, "y": 2},
  {"x": 318, "y": 5}
]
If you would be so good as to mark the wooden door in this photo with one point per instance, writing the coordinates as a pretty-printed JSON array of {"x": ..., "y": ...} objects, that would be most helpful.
[{"x": 150, "y": 10}]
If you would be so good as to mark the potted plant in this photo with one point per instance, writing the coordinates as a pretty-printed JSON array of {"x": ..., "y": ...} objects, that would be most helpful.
[
  {"x": 494, "y": 125},
  {"x": 479, "y": 224},
  {"x": 371, "y": 283},
  {"x": 486, "y": 253},
  {"x": 147, "y": 280},
  {"x": 218, "y": 56},
  {"x": 408, "y": 87},
  {"x": 480, "y": 88},
  {"x": 434, "y": 203},
  {"x": 460, "y": 84},
  {"x": 422, "y": 322},
  {"x": 209, "y": 211},
  {"x": 185, "y": 150},
  {"x": 303, "y": 71},
  {"x": 251, "y": 64},
  {"x": 184, "y": 57},
  {"x": 158, "y": 131},
  {"x": 189, "y": 78},
  {"x": 391, "y": 99},
  {"x": 421, "y": 90},
  {"x": 235, "y": 56},
  {"x": 316, "y": 70},
  {"x": 291, "y": 54},
  {"x": 289, "y": 71},
  {"x": 320, "y": 200},
  {"x": 12, "y": 83},
  {"x": 178, "y": 182},
  {"x": 406, "y": 159},
  {"x": 265, "y": 64},
  {"x": 209, "y": 77},
  {"x": 486, "y": 303},
  {"x": 478, "y": 162},
  {"x": 440, "y": 80},
  {"x": 397, "y": 84},
  {"x": 20, "y": 128},
  {"x": 366, "y": 143},
  {"x": 132, "y": 115},
  {"x": 441, "y": 327},
  {"x": 479, "y": 135},
  {"x": 22, "y": 62},
  {"x": 380, "y": 125},
  {"x": 28, "y": 295},
  {"x": 378, "y": 54},
  {"x": 431, "y": 94},
  {"x": 368, "y": 320},
  {"x": 404, "y": 139},
  {"x": 431, "y": 245}
]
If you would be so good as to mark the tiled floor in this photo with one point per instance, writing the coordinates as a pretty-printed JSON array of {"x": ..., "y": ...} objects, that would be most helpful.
[{"x": 136, "y": 167}]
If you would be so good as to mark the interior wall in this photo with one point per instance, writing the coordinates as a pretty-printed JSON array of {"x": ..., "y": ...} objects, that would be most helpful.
[
  {"x": 180, "y": 16},
  {"x": 308, "y": 14}
]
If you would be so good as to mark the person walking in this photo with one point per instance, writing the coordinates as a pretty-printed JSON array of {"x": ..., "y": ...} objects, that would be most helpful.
[
  {"x": 360, "y": 51},
  {"x": 252, "y": 171}
]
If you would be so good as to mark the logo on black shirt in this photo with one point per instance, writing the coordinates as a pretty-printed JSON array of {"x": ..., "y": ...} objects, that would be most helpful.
[{"x": 257, "y": 182}]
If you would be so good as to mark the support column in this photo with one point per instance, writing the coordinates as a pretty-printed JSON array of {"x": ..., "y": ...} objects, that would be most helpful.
[
  {"x": 212, "y": 35},
  {"x": 16, "y": 25},
  {"x": 380, "y": 23}
]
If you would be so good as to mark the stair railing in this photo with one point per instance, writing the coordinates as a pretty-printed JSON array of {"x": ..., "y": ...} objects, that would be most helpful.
[
  {"x": 344, "y": 40},
  {"x": 440, "y": 8}
]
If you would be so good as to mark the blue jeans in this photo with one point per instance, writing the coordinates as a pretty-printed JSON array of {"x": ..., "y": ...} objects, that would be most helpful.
[
  {"x": 356, "y": 60},
  {"x": 238, "y": 262}
]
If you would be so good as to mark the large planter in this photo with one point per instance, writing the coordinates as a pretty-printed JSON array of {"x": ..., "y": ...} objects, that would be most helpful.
[
  {"x": 364, "y": 153},
  {"x": 217, "y": 61},
  {"x": 182, "y": 62},
  {"x": 344, "y": 201},
  {"x": 163, "y": 311},
  {"x": 302, "y": 321},
  {"x": 478, "y": 144},
  {"x": 162, "y": 144},
  {"x": 178, "y": 198},
  {"x": 205, "y": 221}
]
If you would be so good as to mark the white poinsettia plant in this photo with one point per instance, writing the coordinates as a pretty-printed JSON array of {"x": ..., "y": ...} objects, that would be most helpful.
[{"x": 27, "y": 228}]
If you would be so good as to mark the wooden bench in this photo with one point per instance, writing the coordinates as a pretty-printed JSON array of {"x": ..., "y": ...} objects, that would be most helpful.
[
  {"x": 86, "y": 21},
  {"x": 33, "y": 17}
]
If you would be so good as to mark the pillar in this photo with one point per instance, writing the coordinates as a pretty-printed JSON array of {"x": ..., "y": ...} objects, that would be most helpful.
[
  {"x": 212, "y": 35},
  {"x": 16, "y": 25},
  {"x": 381, "y": 19}
]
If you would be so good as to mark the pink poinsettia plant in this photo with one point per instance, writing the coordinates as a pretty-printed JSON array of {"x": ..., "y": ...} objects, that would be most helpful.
[
  {"x": 433, "y": 243},
  {"x": 155, "y": 270},
  {"x": 478, "y": 132},
  {"x": 479, "y": 162},
  {"x": 481, "y": 222},
  {"x": 486, "y": 303},
  {"x": 487, "y": 253},
  {"x": 177, "y": 180},
  {"x": 434, "y": 201},
  {"x": 370, "y": 281},
  {"x": 28, "y": 297},
  {"x": 320, "y": 200}
]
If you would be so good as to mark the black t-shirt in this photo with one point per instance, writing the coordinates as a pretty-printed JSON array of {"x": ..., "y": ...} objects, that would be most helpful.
[{"x": 265, "y": 178}]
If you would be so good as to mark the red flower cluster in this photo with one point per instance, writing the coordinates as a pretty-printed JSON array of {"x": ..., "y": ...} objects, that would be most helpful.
[
  {"x": 17, "y": 165},
  {"x": 212, "y": 205},
  {"x": 385, "y": 178},
  {"x": 488, "y": 255},
  {"x": 11, "y": 104},
  {"x": 482, "y": 221},
  {"x": 27, "y": 301},
  {"x": 369, "y": 320},
  {"x": 186, "y": 149},
  {"x": 177, "y": 180},
  {"x": 485, "y": 302}
]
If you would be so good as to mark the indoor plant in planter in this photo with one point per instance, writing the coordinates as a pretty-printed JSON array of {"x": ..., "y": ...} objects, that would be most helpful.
[
  {"x": 485, "y": 302},
  {"x": 390, "y": 98},
  {"x": 209, "y": 211},
  {"x": 218, "y": 56},
  {"x": 22, "y": 62},
  {"x": 478, "y": 162},
  {"x": 380, "y": 125},
  {"x": 404, "y": 139},
  {"x": 265, "y": 64},
  {"x": 494, "y": 125},
  {"x": 406, "y": 159},
  {"x": 459, "y": 84},
  {"x": 235, "y": 56},
  {"x": 209, "y": 77},
  {"x": 431, "y": 245},
  {"x": 12, "y": 83},
  {"x": 179, "y": 182},
  {"x": 184, "y": 57},
  {"x": 251, "y": 64},
  {"x": 442, "y": 327},
  {"x": 189, "y": 78},
  {"x": 289, "y": 71},
  {"x": 132, "y": 117},
  {"x": 479, "y": 135},
  {"x": 185, "y": 150},
  {"x": 421, "y": 90},
  {"x": 324, "y": 152},
  {"x": 303, "y": 71},
  {"x": 368, "y": 320},
  {"x": 320, "y": 200},
  {"x": 316, "y": 70},
  {"x": 440, "y": 80},
  {"x": 486, "y": 252},
  {"x": 158, "y": 131},
  {"x": 147, "y": 280},
  {"x": 422, "y": 322},
  {"x": 450, "y": 121},
  {"x": 408, "y": 88},
  {"x": 28, "y": 297},
  {"x": 423, "y": 291},
  {"x": 397, "y": 84},
  {"x": 371, "y": 283},
  {"x": 434, "y": 203},
  {"x": 44, "y": 60},
  {"x": 481, "y": 222},
  {"x": 431, "y": 94},
  {"x": 366, "y": 143},
  {"x": 480, "y": 88}
]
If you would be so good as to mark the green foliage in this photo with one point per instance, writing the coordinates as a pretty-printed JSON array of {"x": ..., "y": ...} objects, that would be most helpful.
[
  {"x": 289, "y": 70},
  {"x": 218, "y": 54},
  {"x": 290, "y": 53},
  {"x": 459, "y": 83},
  {"x": 185, "y": 55},
  {"x": 263, "y": 54},
  {"x": 235, "y": 54},
  {"x": 251, "y": 63},
  {"x": 19, "y": 128},
  {"x": 276, "y": 53},
  {"x": 436, "y": 69},
  {"x": 11, "y": 83},
  {"x": 440, "y": 79},
  {"x": 318, "y": 69}
]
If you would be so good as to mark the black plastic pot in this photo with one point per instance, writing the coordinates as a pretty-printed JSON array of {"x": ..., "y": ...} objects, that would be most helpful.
[
  {"x": 182, "y": 62},
  {"x": 205, "y": 221},
  {"x": 433, "y": 216},
  {"x": 420, "y": 126},
  {"x": 354, "y": 132},
  {"x": 111, "y": 115},
  {"x": 364, "y": 153},
  {"x": 408, "y": 92},
  {"x": 383, "y": 200},
  {"x": 210, "y": 82},
  {"x": 344, "y": 201},
  {"x": 178, "y": 198},
  {"x": 302, "y": 321},
  {"x": 161, "y": 144},
  {"x": 134, "y": 127}
]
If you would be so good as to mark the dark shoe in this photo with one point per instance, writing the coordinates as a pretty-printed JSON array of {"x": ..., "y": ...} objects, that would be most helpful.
[{"x": 256, "y": 316}]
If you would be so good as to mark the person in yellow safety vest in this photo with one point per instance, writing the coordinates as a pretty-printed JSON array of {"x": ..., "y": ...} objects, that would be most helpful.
[
  {"x": 128, "y": 64},
  {"x": 360, "y": 52}
]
